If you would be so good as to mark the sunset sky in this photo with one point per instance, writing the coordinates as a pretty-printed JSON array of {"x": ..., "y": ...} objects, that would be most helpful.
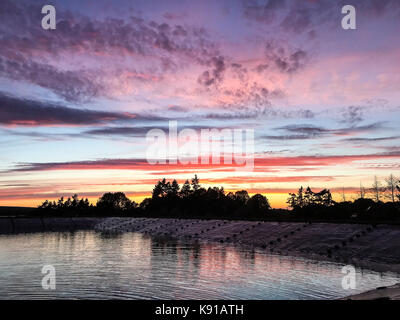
[{"x": 76, "y": 102}]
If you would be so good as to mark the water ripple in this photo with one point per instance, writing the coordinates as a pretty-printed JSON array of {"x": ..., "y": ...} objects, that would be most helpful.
[{"x": 133, "y": 266}]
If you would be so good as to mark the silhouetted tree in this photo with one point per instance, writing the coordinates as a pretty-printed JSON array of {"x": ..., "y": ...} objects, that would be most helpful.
[
  {"x": 258, "y": 203},
  {"x": 75, "y": 201},
  {"x": 398, "y": 190},
  {"x": 75, "y": 206},
  {"x": 343, "y": 195},
  {"x": 308, "y": 198},
  {"x": 242, "y": 197},
  {"x": 195, "y": 183},
  {"x": 115, "y": 201},
  {"x": 376, "y": 189},
  {"x": 391, "y": 183},
  {"x": 145, "y": 204},
  {"x": 324, "y": 197},
  {"x": 185, "y": 190},
  {"x": 361, "y": 193},
  {"x": 173, "y": 189},
  {"x": 60, "y": 203},
  {"x": 157, "y": 191},
  {"x": 191, "y": 200},
  {"x": 296, "y": 200}
]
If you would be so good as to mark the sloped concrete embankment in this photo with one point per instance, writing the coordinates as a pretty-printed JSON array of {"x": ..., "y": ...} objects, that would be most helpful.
[
  {"x": 380, "y": 293},
  {"x": 375, "y": 247}
]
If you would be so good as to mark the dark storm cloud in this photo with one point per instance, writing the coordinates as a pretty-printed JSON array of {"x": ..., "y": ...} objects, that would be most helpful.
[
  {"x": 215, "y": 75},
  {"x": 300, "y": 132},
  {"x": 77, "y": 32},
  {"x": 359, "y": 129},
  {"x": 286, "y": 61},
  {"x": 379, "y": 139},
  {"x": 76, "y": 165},
  {"x": 120, "y": 131},
  {"x": 259, "y": 112},
  {"x": 261, "y": 67},
  {"x": 233, "y": 115},
  {"x": 29, "y": 54},
  {"x": 141, "y": 131},
  {"x": 251, "y": 97},
  {"x": 23, "y": 38},
  {"x": 288, "y": 137},
  {"x": 353, "y": 114},
  {"x": 176, "y": 108},
  {"x": 15, "y": 111},
  {"x": 240, "y": 72},
  {"x": 255, "y": 112},
  {"x": 306, "y": 129},
  {"x": 72, "y": 86}
]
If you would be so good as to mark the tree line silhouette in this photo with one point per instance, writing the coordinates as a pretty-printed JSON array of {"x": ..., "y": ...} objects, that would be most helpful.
[{"x": 169, "y": 199}]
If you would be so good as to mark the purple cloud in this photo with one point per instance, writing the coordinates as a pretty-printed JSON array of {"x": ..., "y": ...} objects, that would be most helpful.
[{"x": 15, "y": 111}]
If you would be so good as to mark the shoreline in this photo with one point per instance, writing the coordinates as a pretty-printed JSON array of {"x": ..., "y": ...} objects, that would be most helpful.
[
  {"x": 14, "y": 225},
  {"x": 380, "y": 293}
]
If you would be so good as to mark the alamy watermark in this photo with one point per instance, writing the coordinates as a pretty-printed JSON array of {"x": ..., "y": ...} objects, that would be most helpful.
[
  {"x": 49, "y": 20},
  {"x": 206, "y": 146},
  {"x": 349, "y": 280},
  {"x": 349, "y": 20},
  {"x": 49, "y": 279}
]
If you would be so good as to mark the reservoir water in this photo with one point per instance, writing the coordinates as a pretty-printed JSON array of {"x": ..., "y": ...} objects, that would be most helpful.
[{"x": 90, "y": 265}]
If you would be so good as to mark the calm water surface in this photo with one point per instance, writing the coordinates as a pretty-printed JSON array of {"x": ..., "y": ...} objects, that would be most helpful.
[{"x": 90, "y": 265}]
